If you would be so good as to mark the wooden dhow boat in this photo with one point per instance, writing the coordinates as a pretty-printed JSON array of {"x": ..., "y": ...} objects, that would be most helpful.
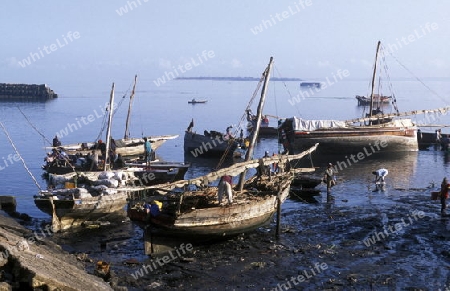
[
  {"x": 375, "y": 133},
  {"x": 191, "y": 210},
  {"x": 126, "y": 146},
  {"x": 77, "y": 197},
  {"x": 377, "y": 98},
  {"x": 196, "y": 215}
]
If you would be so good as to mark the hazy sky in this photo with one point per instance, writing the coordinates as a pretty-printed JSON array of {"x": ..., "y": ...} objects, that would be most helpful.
[{"x": 80, "y": 43}]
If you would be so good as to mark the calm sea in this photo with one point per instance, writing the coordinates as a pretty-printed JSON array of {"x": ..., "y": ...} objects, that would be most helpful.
[{"x": 78, "y": 115}]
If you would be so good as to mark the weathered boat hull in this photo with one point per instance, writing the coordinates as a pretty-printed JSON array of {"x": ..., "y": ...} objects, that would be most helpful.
[
  {"x": 74, "y": 212},
  {"x": 124, "y": 147},
  {"x": 427, "y": 139},
  {"x": 225, "y": 221},
  {"x": 266, "y": 131},
  {"x": 366, "y": 141},
  {"x": 156, "y": 175},
  {"x": 395, "y": 136},
  {"x": 213, "y": 223},
  {"x": 201, "y": 145}
]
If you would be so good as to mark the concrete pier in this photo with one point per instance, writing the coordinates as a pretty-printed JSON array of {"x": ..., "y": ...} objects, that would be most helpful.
[{"x": 26, "y": 92}]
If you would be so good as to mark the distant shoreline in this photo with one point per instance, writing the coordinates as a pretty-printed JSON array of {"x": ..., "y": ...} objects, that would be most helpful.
[{"x": 235, "y": 79}]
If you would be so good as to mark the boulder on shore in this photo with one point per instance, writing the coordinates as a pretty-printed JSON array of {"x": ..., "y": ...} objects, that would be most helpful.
[{"x": 29, "y": 260}]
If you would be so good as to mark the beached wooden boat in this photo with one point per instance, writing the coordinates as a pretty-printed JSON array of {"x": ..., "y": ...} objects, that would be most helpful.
[
  {"x": 77, "y": 197},
  {"x": 70, "y": 208},
  {"x": 197, "y": 215},
  {"x": 190, "y": 209}
]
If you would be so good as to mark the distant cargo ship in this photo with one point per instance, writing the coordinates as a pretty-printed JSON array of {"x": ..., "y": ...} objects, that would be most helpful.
[{"x": 26, "y": 92}]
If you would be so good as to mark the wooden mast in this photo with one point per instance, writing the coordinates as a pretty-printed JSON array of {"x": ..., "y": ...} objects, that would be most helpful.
[
  {"x": 127, "y": 124},
  {"x": 373, "y": 79},
  {"x": 108, "y": 131},
  {"x": 250, "y": 150}
]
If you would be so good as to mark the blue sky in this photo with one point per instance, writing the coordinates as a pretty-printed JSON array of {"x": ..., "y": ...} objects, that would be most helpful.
[{"x": 308, "y": 39}]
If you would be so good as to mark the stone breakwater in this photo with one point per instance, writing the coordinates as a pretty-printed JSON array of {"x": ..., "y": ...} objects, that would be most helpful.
[{"x": 25, "y": 91}]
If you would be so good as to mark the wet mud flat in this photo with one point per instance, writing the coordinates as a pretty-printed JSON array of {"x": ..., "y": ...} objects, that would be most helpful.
[{"x": 395, "y": 241}]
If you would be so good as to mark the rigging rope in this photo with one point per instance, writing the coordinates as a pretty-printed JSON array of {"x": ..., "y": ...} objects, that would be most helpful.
[
  {"x": 17, "y": 152},
  {"x": 227, "y": 150},
  {"x": 105, "y": 116},
  {"x": 391, "y": 88},
  {"x": 296, "y": 163},
  {"x": 45, "y": 139},
  {"x": 417, "y": 78},
  {"x": 289, "y": 92}
]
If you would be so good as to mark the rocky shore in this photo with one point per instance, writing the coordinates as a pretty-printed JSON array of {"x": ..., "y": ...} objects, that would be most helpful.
[{"x": 33, "y": 262}]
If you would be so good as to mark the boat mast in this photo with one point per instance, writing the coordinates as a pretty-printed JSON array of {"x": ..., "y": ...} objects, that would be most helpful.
[
  {"x": 127, "y": 132},
  {"x": 373, "y": 78},
  {"x": 108, "y": 131},
  {"x": 259, "y": 110}
]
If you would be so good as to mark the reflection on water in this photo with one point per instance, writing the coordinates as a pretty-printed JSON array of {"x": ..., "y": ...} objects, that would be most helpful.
[{"x": 356, "y": 182}]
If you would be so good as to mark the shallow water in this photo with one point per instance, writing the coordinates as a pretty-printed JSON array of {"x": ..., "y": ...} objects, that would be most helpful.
[
  {"x": 353, "y": 214},
  {"x": 165, "y": 110}
]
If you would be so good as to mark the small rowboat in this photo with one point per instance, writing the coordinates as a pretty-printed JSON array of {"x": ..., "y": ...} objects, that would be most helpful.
[{"x": 193, "y": 101}]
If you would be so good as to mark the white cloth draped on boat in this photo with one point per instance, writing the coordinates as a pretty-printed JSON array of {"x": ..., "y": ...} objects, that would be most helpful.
[{"x": 310, "y": 125}]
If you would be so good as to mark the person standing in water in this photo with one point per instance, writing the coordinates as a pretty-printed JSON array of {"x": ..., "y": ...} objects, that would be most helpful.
[
  {"x": 444, "y": 195},
  {"x": 329, "y": 177}
]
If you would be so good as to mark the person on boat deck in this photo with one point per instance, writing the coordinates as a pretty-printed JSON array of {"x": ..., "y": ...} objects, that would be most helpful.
[
  {"x": 102, "y": 147},
  {"x": 329, "y": 177},
  {"x": 56, "y": 142},
  {"x": 93, "y": 158},
  {"x": 265, "y": 121},
  {"x": 225, "y": 188},
  {"x": 380, "y": 174},
  {"x": 112, "y": 151},
  {"x": 148, "y": 151},
  {"x": 444, "y": 195},
  {"x": 438, "y": 136},
  {"x": 262, "y": 169},
  {"x": 191, "y": 125},
  {"x": 275, "y": 168},
  {"x": 228, "y": 133},
  {"x": 61, "y": 154}
]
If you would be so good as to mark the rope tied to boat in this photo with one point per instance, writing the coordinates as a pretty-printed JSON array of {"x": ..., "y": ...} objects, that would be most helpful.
[{"x": 18, "y": 154}]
